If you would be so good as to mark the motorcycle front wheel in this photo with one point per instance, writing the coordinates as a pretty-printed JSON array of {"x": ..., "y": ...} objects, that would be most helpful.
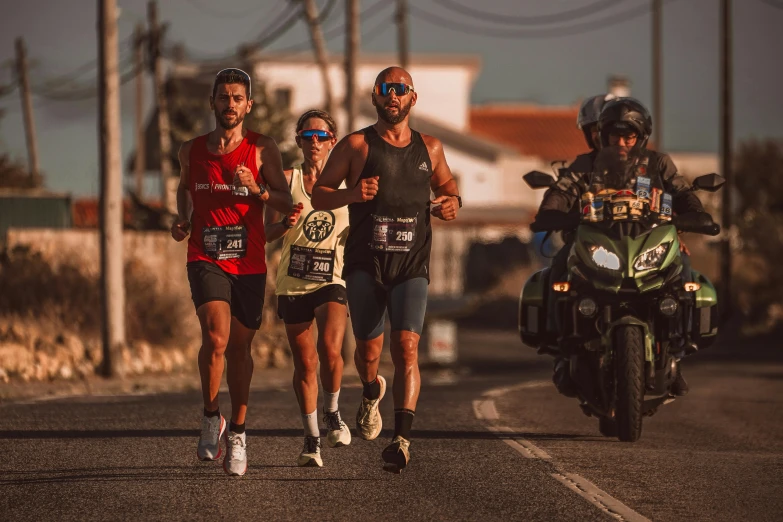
[{"x": 629, "y": 377}]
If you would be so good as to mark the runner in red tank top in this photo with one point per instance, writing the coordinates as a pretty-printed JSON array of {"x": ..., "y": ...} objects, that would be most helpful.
[{"x": 226, "y": 178}]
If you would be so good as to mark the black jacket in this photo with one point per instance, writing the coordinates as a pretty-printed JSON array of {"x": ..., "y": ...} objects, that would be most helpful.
[{"x": 565, "y": 194}]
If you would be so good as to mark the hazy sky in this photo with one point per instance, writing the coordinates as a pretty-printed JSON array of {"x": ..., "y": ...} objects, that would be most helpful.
[{"x": 519, "y": 64}]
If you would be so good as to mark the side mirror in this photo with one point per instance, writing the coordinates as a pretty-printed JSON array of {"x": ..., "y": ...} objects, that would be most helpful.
[
  {"x": 536, "y": 179},
  {"x": 709, "y": 182}
]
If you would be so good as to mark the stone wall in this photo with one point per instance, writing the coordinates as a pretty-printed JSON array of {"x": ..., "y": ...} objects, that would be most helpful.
[{"x": 33, "y": 348}]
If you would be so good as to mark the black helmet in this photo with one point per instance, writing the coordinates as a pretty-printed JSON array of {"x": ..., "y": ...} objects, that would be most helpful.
[
  {"x": 589, "y": 113},
  {"x": 625, "y": 114}
]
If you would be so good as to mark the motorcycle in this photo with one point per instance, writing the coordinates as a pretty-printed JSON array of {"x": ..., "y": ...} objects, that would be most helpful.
[{"x": 626, "y": 311}]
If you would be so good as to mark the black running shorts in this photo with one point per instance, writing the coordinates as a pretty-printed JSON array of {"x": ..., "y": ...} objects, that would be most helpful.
[
  {"x": 295, "y": 309},
  {"x": 245, "y": 293},
  {"x": 368, "y": 300}
]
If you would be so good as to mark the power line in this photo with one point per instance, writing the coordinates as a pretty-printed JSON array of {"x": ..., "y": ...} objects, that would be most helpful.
[
  {"x": 571, "y": 30},
  {"x": 274, "y": 30},
  {"x": 366, "y": 15},
  {"x": 777, "y": 4},
  {"x": 221, "y": 14},
  {"x": 87, "y": 92},
  {"x": 563, "y": 16},
  {"x": 72, "y": 76}
]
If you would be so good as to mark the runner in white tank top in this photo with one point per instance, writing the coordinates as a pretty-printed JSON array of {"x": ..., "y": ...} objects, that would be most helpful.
[{"x": 310, "y": 286}]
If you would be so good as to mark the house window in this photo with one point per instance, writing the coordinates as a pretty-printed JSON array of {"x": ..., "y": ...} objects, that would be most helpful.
[{"x": 283, "y": 98}]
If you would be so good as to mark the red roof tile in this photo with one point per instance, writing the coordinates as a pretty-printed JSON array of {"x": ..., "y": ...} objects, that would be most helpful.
[{"x": 548, "y": 133}]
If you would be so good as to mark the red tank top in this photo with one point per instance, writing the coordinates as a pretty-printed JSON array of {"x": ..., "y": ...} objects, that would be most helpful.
[{"x": 215, "y": 205}]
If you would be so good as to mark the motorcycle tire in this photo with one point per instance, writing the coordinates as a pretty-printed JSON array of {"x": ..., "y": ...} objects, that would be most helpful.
[
  {"x": 629, "y": 378},
  {"x": 607, "y": 427}
]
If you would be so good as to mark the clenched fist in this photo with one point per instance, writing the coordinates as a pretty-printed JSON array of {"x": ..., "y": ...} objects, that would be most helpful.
[
  {"x": 444, "y": 207},
  {"x": 243, "y": 177},
  {"x": 366, "y": 189},
  {"x": 180, "y": 229},
  {"x": 293, "y": 218}
]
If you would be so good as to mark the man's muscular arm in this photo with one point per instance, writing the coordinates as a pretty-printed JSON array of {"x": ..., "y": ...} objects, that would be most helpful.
[
  {"x": 274, "y": 227},
  {"x": 349, "y": 153},
  {"x": 181, "y": 227},
  {"x": 271, "y": 170},
  {"x": 442, "y": 182}
]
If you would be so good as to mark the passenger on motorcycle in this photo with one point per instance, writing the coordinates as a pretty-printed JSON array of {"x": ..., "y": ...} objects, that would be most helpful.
[{"x": 626, "y": 123}]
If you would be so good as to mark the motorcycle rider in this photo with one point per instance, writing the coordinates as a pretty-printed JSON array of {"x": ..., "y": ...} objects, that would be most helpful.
[
  {"x": 572, "y": 180},
  {"x": 624, "y": 123}
]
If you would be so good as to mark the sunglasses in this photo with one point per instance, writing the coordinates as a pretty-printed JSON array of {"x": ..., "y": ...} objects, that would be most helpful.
[
  {"x": 232, "y": 75},
  {"x": 315, "y": 134},
  {"x": 400, "y": 89}
]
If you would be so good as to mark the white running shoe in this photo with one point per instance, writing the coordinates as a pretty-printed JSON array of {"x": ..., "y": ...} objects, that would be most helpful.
[
  {"x": 337, "y": 432},
  {"x": 212, "y": 429},
  {"x": 368, "y": 419},
  {"x": 311, "y": 453},
  {"x": 235, "y": 463}
]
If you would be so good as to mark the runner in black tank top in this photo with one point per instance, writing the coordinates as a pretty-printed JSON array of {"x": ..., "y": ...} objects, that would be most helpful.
[
  {"x": 401, "y": 209},
  {"x": 389, "y": 170}
]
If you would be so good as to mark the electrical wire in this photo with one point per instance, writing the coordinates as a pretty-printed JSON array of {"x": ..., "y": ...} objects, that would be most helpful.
[
  {"x": 571, "y": 30},
  {"x": 366, "y": 15},
  {"x": 777, "y": 4},
  {"x": 563, "y": 16},
  {"x": 221, "y": 14}
]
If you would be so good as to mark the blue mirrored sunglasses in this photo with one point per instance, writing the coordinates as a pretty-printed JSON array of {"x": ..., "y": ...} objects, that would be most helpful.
[
  {"x": 315, "y": 134},
  {"x": 400, "y": 89}
]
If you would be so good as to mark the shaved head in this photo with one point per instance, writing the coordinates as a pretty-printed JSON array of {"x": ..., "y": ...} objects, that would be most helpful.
[
  {"x": 394, "y": 106},
  {"x": 394, "y": 74}
]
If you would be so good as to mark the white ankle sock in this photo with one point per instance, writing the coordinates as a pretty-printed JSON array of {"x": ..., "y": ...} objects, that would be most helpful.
[
  {"x": 310, "y": 423},
  {"x": 330, "y": 401}
]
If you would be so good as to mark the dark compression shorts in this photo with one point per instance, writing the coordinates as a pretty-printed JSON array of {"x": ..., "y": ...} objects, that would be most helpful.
[{"x": 368, "y": 301}]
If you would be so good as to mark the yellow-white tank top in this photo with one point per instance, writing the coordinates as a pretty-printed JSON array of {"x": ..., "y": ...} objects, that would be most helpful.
[{"x": 312, "y": 255}]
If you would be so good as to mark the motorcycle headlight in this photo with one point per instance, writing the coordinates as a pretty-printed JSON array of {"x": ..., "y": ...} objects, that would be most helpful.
[
  {"x": 605, "y": 259},
  {"x": 652, "y": 258}
]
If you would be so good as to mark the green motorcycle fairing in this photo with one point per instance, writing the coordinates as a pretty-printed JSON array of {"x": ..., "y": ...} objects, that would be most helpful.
[{"x": 627, "y": 249}]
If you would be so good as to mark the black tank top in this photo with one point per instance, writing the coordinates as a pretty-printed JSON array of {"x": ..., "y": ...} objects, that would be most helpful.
[{"x": 390, "y": 236}]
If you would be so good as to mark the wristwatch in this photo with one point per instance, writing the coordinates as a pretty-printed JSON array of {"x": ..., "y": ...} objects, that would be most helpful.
[
  {"x": 285, "y": 223},
  {"x": 261, "y": 192},
  {"x": 459, "y": 200}
]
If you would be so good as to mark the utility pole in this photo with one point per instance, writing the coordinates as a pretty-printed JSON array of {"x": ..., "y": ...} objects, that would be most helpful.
[
  {"x": 657, "y": 73},
  {"x": 141, "y": 160},
  {"x": 727, "y": 166},
  {"x": 319, "y": 48},
  {"x": 352, "y": 42},
  {"x": 402, "y": 32},
  {"x": 27, "y": 109},
  {"x": 155, "y": 35},
  {"x": 112, "y": 284}
]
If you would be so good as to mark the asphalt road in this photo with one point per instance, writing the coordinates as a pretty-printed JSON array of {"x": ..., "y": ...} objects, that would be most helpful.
[{"x": 493, "y": 441}]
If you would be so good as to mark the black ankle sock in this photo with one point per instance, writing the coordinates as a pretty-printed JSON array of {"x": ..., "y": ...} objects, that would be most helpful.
[
  {"x": 208, "y": 413},
  {"x": 236, "y": 428},
  {"x": 403, "y": 421},
  {"x": 372, "y": 390}
]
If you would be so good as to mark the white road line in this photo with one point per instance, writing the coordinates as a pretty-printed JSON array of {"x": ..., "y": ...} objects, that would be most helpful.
[
  {"x": 595, "y": 495},
  {"x": 484, "y": 409},
  {"x": 525, "y": 447},
  {"x": 497, "y": 392}
]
